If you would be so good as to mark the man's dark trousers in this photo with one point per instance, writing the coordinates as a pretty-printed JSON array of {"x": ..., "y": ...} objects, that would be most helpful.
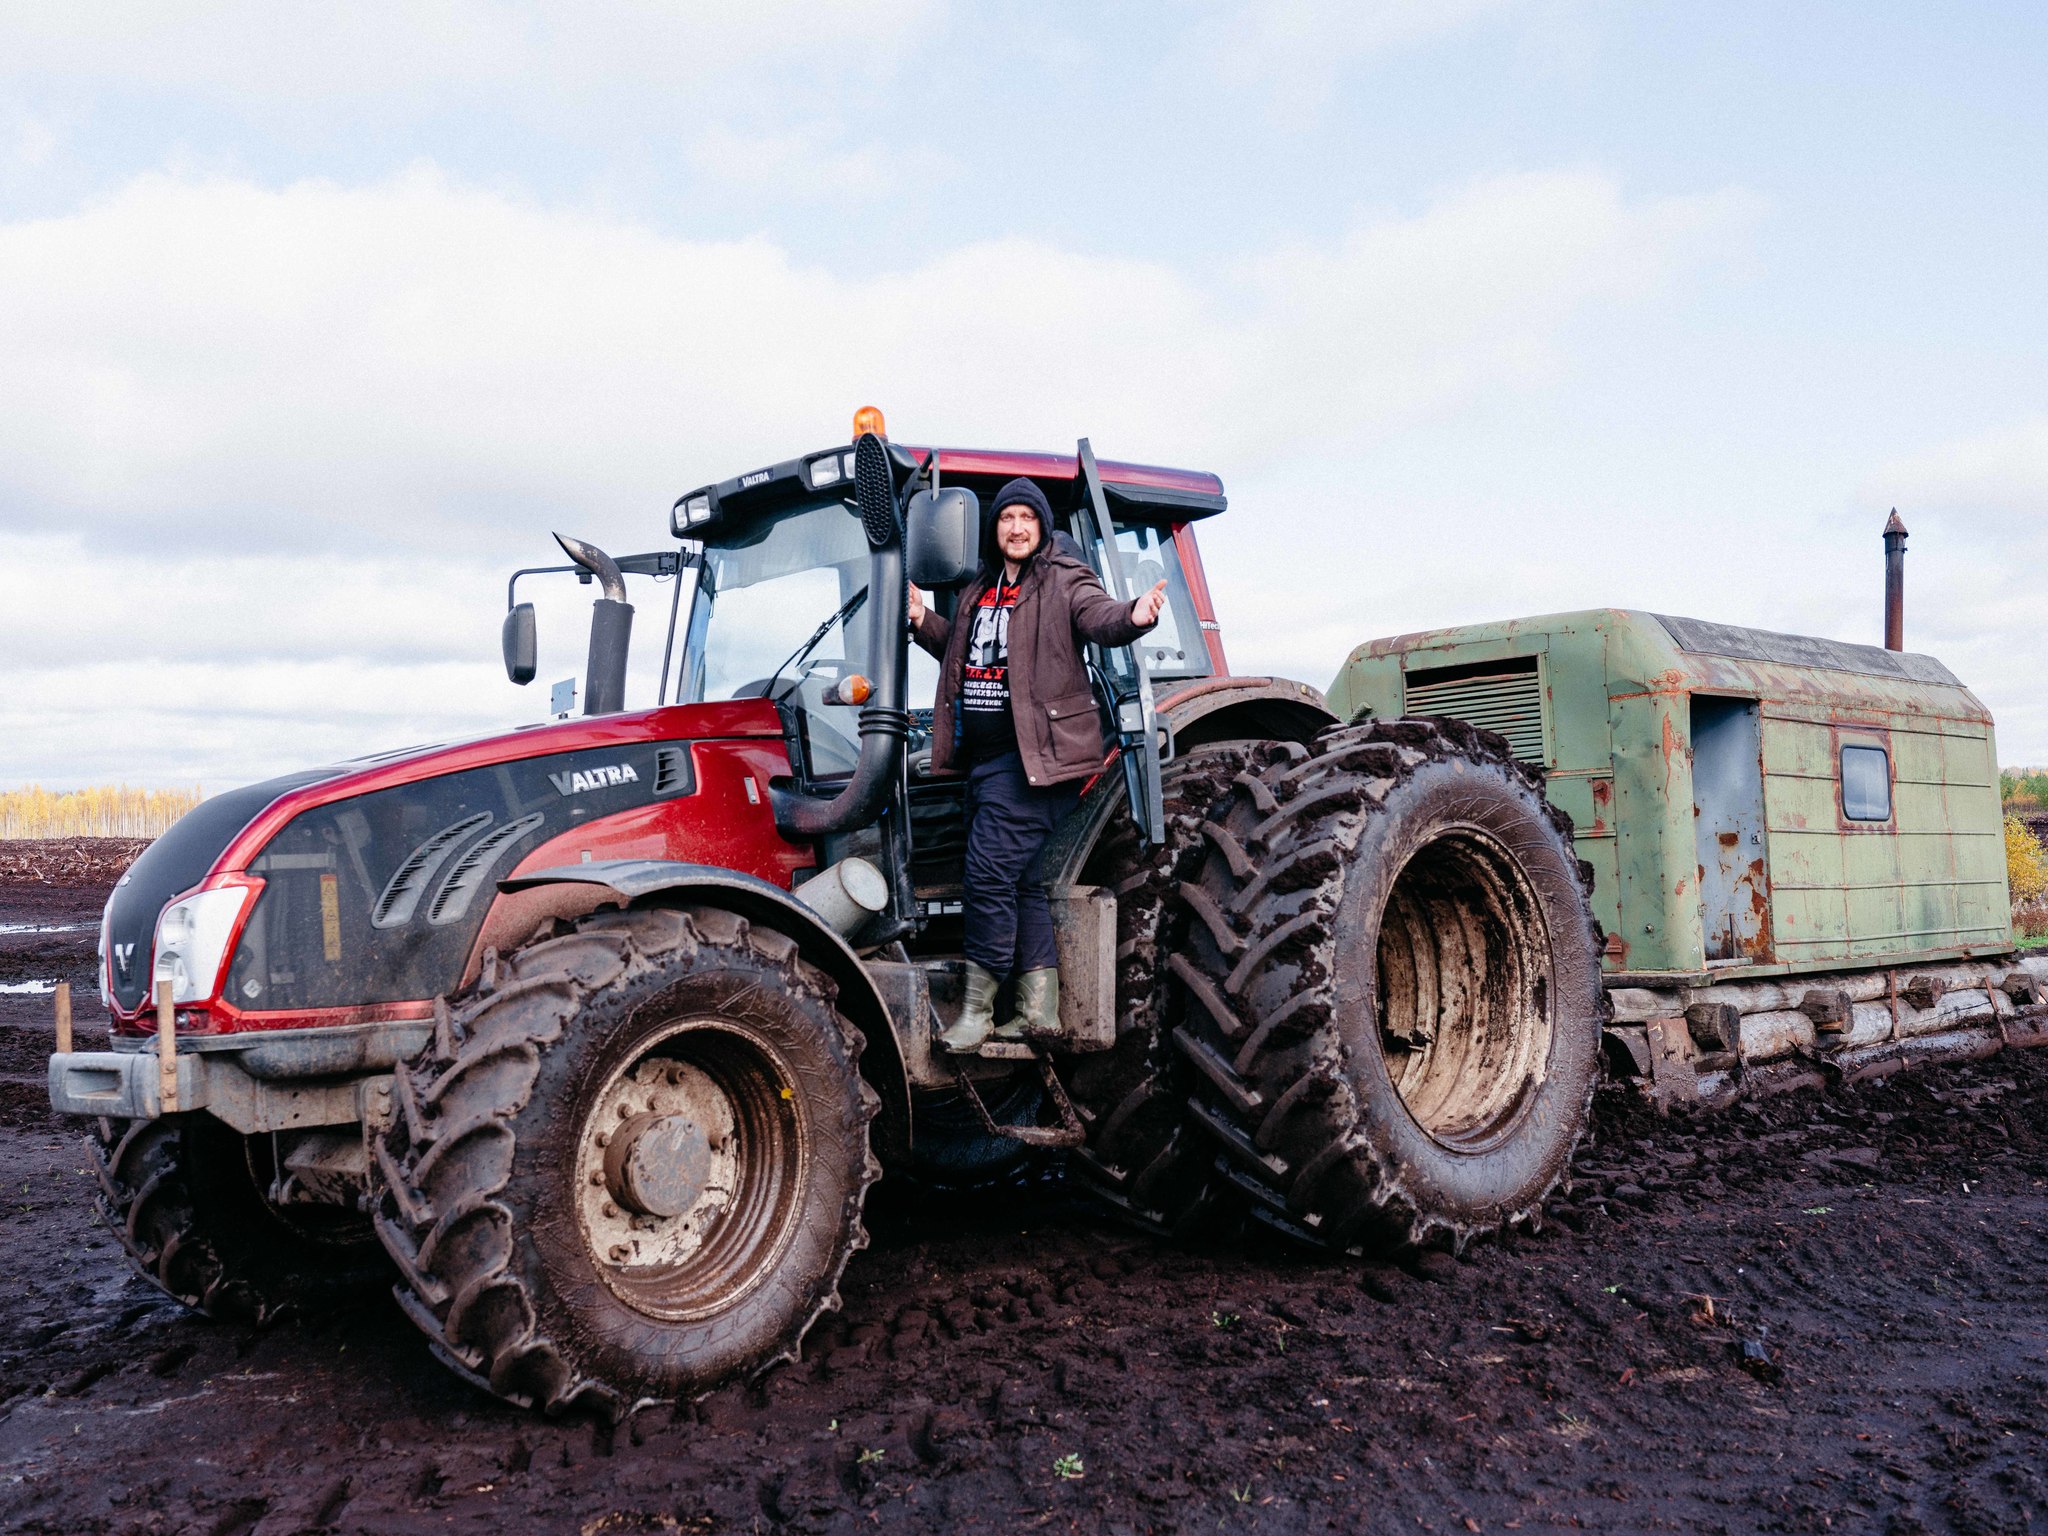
[{"x": 1009, "y": 920}]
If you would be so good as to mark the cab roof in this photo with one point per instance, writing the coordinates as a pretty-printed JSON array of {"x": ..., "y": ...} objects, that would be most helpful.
[{"x": 1136, "y": 492}]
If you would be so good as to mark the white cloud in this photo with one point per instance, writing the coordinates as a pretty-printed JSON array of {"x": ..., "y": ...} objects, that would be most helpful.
[
  {"x": 415, "y": 361},
  {"x": 314, "y": 418}
]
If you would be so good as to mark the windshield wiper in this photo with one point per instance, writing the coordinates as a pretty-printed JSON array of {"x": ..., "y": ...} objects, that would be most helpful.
[{"x": 802, "y": 653}]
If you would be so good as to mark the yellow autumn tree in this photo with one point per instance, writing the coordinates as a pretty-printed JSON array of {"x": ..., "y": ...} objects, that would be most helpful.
[{"x": 2026, "y": 862}]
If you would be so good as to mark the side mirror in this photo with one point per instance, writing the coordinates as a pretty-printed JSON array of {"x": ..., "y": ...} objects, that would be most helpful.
[
  {"x": 943, "y": 531},
  {"x": 520, "y": 645}
]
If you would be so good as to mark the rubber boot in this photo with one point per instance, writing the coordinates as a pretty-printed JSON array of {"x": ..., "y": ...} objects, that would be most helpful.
[
  {"x": 977, "y": 1019},
  {"x": 1038, "y": 1007}
]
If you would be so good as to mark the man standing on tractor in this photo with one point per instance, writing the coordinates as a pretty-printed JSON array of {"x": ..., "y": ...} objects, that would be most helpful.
[{"x": 1015, "y": 713}]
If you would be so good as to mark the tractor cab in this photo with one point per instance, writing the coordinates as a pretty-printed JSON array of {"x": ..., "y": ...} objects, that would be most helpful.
[{"x": 778, "y": 601}]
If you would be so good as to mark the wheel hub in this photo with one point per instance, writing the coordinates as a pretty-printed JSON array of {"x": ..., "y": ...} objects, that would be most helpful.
[{"x": 658, "y": 1165}]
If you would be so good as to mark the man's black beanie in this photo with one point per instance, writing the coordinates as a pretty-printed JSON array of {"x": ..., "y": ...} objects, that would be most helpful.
[{"x": 1026, "y": 491}]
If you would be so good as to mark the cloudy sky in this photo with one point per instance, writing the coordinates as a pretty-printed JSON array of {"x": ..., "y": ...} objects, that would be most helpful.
[{"x": 314, "y": 320}]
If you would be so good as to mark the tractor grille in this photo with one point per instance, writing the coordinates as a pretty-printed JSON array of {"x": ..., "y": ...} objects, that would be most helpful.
[{"x": 1504, "y": 696}]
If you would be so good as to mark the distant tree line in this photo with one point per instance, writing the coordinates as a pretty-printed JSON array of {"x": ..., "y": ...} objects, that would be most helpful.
[
  {"x": 2024, "y": 789},
  {"x": 104, "y": 810}
]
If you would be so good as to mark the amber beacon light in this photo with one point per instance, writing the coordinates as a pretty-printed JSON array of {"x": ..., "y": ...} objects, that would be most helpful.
[{"x": 869, "y": 419}]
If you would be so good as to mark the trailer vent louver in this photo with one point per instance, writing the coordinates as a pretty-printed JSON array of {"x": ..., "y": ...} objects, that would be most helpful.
[
  {"x": 672, "y": 774},
  {"x": 1504, "y": 696}
]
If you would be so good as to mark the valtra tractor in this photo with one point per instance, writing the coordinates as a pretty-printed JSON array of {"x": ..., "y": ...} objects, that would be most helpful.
[{"x": 593, "y": 1035}]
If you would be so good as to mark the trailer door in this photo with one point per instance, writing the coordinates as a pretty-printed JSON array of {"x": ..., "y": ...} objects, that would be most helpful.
[{"x": 1728, "y": 820}]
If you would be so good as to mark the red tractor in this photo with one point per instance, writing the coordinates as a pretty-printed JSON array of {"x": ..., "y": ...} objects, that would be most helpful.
[{"x": 596, "y": 1032}]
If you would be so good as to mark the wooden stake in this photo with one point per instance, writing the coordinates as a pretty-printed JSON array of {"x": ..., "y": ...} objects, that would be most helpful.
[
  {"x": 63, "y": 1018},
  {"x": 166, "y": 1049}
]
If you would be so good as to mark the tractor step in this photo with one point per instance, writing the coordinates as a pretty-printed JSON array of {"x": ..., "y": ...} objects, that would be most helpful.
[{"x": 1068, "y": 1133}]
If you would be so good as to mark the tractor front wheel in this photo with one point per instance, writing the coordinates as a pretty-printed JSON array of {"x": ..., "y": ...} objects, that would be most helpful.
[
  {"x": 188, "y": 1198},
  {"x": 632, "y": 1165}
]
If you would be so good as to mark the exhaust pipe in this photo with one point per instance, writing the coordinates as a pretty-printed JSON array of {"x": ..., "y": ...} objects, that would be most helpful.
[
  {"x": 885, "y": 722},
  {"x": 1895, "y": 583},
  {"x": 611, "y": 629}
]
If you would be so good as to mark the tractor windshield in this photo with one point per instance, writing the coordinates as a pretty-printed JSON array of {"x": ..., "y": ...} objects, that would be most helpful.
[{"x": 763, "y": 590}]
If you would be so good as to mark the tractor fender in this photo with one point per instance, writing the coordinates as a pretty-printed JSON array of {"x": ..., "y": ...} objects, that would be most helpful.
[
  {"x": 1244, "y": 708},
  {"x": 666, "y": 882}
]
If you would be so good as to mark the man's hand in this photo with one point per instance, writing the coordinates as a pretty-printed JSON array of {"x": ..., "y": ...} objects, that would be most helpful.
[
  {"x": 916, "y": 606},
  {"x": 1145, "y": 611}
]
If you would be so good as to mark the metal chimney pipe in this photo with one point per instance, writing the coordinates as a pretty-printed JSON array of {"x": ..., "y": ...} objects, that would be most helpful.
[{"x": 1895, "y": 583}]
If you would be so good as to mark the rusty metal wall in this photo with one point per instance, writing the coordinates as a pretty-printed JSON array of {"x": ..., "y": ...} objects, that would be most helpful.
[{"x": 1618, "y": 691}]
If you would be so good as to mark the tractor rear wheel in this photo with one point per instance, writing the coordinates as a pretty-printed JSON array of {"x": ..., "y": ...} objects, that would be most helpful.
[
  {"x": 632, "y": 1165},
  {"x": 1394, "y": 1001},
  {"x": 188, "y": 1197},
  {"x": 1141, "y": 1157}
]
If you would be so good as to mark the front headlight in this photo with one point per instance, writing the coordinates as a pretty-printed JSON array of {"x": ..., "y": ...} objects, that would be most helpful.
[{"x": 192, "y": 940}]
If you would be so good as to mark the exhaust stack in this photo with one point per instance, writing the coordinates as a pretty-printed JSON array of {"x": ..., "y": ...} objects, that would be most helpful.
[
  {"x": 611, "y": 629},
  {"x": 1895, "y": 583}
]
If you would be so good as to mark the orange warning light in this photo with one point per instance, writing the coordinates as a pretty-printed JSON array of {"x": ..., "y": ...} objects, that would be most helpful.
[
  {"x": 869, "y": 419},
  {"x": 853, "y": 689}
]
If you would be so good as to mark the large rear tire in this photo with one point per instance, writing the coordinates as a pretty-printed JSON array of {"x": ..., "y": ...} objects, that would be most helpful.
[
  {"x": 1393, "y": 999},
  {"x": 187, "y": 1196},
  {"x": 633, "y": 1164},
  {"x": 1142, "y": 1158}
]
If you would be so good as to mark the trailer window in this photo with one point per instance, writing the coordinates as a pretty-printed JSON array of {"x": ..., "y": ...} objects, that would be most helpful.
[{"x": 1866, "y": 784}]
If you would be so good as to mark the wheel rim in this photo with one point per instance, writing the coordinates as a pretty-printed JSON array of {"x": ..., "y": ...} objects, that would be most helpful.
[
  {"x": 1464, "y": 990},
  {"x": 689, "y": 1170}
]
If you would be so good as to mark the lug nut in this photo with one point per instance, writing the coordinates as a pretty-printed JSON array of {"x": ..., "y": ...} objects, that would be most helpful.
[
  {"x": 620, "y": 1253},
  {"x": 611, "y": 1211}
]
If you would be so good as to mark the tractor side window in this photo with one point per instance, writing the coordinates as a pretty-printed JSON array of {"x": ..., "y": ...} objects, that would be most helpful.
[
  {"x": 1866, "y": 784},
  {"x": 1175, "y": 647}
]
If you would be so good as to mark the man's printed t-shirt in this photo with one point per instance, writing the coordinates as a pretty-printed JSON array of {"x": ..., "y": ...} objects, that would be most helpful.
[{"x": 987, "y": 727}]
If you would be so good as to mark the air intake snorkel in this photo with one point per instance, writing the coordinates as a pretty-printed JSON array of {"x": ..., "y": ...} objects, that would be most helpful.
[
  {"x": 611, "y": 629},
  {"x": 885, "y": 722}
]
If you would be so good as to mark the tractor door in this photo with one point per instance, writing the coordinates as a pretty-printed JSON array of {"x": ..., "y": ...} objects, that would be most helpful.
[{"x": 1124, "y": 668}]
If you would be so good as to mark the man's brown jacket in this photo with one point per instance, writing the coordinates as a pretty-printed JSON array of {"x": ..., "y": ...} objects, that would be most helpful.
[{"x": 1060, "y": 604}]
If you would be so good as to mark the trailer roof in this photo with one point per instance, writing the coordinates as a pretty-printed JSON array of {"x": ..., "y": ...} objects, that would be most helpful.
[{"x": 1701, "y": 638}]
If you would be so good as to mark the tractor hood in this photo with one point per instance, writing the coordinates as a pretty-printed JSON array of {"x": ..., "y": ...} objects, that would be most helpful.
[{"x": 371, "y": 878}]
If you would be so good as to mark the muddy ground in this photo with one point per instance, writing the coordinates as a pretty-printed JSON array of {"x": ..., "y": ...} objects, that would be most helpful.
[{"x": 1824, "y": 1314}]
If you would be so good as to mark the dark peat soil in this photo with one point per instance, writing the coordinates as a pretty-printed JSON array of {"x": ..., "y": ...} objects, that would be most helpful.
[{"x": 1824, "y": 1313}]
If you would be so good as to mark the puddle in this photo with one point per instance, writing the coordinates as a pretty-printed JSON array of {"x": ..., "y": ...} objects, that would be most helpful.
[{"x": 29, "y": 988}]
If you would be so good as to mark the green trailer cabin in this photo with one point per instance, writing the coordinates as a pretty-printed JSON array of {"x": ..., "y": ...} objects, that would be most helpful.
[{"x": 1754, "y": 805}]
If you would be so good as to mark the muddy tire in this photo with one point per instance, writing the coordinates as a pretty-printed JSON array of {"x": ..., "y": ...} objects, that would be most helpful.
[
  {"x": 632, "y": 1164},
  {"x": 1393, "y": 999},
  {"x": 185, "y": 1195},
  {"x": 1141, "y": 1158}
]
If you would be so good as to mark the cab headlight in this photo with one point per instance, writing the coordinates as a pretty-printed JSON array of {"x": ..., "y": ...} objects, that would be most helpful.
[{"x": 192, "y": 940}]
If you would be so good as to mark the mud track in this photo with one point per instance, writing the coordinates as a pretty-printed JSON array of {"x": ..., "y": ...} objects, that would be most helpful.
[{"x": 1874, "y": 1358}]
